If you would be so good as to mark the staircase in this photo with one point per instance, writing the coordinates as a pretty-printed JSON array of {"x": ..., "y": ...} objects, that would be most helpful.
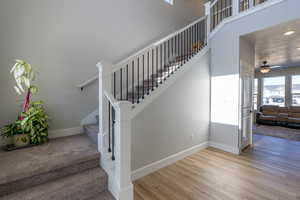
[
  {"x": 134, "y": 79},
  {"x": 64, "y": 168},
  {"x": 125, "y": 86}
]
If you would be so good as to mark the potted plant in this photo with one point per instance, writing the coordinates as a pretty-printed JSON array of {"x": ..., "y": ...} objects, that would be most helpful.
[{"x": 31, "y": 127}]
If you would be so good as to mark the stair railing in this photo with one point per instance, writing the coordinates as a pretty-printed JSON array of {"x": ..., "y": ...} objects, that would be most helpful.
[
  {"x": 136, "y": 77},
  {"x": 222, "y": 9}
]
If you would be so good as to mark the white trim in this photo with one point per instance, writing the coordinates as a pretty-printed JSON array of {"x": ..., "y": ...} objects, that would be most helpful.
[
  {"x": 167, "y": 161},
  {"x": 65, "y": 132},
  {"x": 224, "y": 147},
  {"x": 137, "y": 108},
  {"x": 245, "y": 13}
]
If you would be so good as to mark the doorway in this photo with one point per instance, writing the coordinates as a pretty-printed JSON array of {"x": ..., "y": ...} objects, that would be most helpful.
[{"x": 270, "y": 99}]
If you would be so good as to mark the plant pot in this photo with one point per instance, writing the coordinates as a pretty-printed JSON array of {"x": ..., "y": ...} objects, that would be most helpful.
[{"x": 21, "y": 140}]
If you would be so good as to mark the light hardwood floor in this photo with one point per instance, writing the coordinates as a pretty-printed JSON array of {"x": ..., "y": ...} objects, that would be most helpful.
[{"x": 271, "y": 170}]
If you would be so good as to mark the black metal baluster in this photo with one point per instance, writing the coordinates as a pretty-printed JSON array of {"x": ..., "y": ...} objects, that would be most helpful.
[
  {"x": 201, "y": 42},
  {"x": 156, "y": 66},
  {"x": 127, "y": 81},
  {"x": 164, "y": 59},
  {"x": 152, "y": 73},
  {"x": 109, "y": 128},
  {"x": 138, "y": 80},
  {"x": 178, "y": 50},
  {"x": 148, "y": 74},
  {"x": 161, "y": 63},
  {"x": 192, "y": 39},
  {"x": 114, "y": 84},
  {"x": 168, "y": 58},
  {"x": 196, "y": 36},
  {"x": 188, "y": 44},
  {"x": 143, "y": 76},
  {"x": 121, "y": 85},
  {"x": 184, "y": 43},
  {"x": 204, "y": 33},
  {"x": 181, "y": 48},
  {"x": 199, "y": 34},
  {"x": 172, "y": 55},
  {"x": 113, "y": 133},
  {"x": 175, "y": 52},
  {"x": 185, "y": 48},
  {"x": 132, "y": 86}
]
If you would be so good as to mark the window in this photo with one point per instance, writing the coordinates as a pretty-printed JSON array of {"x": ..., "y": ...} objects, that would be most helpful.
[
  {"x": 274, "y": 91},
  {"x": 171, "y": 2},
  {"x": 296, "y": 90},
  {"x": 255, "y": 91}
]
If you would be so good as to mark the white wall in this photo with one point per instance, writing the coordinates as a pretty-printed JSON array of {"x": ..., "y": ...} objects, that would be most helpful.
[
  {"x": 225, "y": 59},
  {"x": 64, "y": 39},
  {"x": 176, "y": 120}
]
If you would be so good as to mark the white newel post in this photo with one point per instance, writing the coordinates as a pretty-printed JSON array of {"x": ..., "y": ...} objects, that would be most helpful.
[
  {"x": 104, "y": 85},
  {"x": 207, "y": 14},
  {"x": 123, "y": 151},
  {"x": 235, "y": 7}
]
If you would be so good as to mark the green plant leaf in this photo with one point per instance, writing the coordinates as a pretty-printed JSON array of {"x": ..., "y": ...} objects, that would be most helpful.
[
  {"x": 26, "y": 81},
  {"x": 17, "y": 90},
  {"x": 33, "y": 89},
  {"x": 14, "y": 67}
]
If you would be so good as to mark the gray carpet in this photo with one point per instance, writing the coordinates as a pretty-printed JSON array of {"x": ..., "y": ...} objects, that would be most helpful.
[
  {"x": 277, "y": 131},
  {"x": 65, "y": 168}
]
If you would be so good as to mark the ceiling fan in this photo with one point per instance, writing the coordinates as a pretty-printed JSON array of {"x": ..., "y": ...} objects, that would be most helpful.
[{"x": 265, "y": 68}]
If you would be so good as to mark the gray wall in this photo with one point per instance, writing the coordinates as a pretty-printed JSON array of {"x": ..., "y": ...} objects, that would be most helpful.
[
  {"x": 64, "y": 39},
  {"x": 176, "y": 120},
  {"x": 225, "y": 55}
]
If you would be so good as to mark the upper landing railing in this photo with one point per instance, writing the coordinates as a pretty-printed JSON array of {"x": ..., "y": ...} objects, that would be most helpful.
[{"x": 222, "y": 9}]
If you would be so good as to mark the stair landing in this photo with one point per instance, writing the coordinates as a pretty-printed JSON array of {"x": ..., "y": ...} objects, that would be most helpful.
[
  {"x": 64, "y": 168},
  {"x": 57, "y": 153}
]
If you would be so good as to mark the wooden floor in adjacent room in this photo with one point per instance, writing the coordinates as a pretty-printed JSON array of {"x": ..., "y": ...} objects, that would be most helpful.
[{"x": 271, "y": 170}]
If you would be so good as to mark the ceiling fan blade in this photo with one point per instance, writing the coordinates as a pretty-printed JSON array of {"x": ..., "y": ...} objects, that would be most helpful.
[{"x": 274, "y": 67}]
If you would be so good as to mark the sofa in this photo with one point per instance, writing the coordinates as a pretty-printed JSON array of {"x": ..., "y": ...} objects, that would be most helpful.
[{"x": 279, "y": 116}]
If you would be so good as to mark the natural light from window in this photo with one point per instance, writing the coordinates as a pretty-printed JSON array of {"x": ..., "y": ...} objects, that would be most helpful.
[
  {"x": 225, "y": 99},
  {"x": 296, "y": 90},
  {"x": 274, "y": 91},
  {"x": 171, "y": 2},
  {"x": 255, "y": 91}
]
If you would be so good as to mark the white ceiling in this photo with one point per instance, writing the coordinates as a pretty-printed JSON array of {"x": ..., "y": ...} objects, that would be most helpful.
[{"x": 271, "y": 45}]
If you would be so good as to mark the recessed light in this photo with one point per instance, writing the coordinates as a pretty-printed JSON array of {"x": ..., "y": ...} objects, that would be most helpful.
[
  {"x": 298, "y": 48},
  {"x": 289, "y": 33}
]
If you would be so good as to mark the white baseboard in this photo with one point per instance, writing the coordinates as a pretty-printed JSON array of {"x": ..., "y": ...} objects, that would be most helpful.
[
  {"x": 166, "y": 161},
  {"x": 65, "y": 132},
  {"x": 223, "y": 147}
]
